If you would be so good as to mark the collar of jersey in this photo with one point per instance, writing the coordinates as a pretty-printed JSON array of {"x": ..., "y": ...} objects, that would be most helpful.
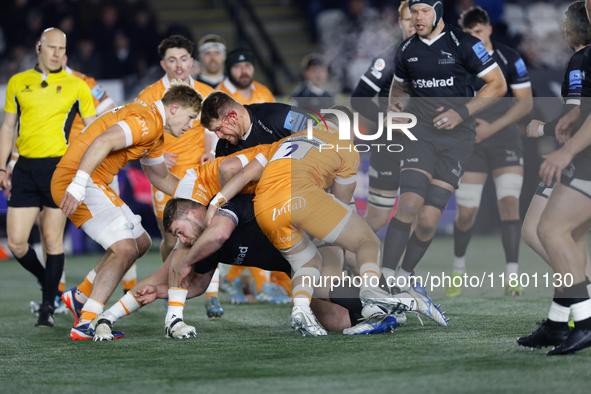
[
  {"x": 166, "y": 81},
  {"x": 430, "y": 42},
  {"x": 245, "y": 136},
  {"x": 51, "y": 72},
  {"x": 160, "y": 107}
]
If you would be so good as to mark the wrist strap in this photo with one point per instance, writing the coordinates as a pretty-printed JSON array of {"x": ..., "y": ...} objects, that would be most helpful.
[
  {"x": 218, "y": 201},
  {"x": 462, "y": 111},
  {"x": 541, "y": 129}
]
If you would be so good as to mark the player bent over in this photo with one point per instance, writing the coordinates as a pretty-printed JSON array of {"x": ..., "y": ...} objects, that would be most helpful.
[
  {"x": 81, "y": 187},
  {"x": 291, "y": 203}
]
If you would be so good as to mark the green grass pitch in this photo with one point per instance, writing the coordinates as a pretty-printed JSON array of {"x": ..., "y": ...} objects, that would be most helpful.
[{"x": 253, "y": 350}]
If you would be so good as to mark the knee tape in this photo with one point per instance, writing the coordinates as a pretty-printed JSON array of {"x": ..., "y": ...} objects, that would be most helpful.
[
  {"x": 468, "y": 195},
  {"x": 438, "y": 197},
  {"x": 299, "y": 259},
  {"x": 117, "y": 230},
  {"x": 307, "y": 271},
  {"x": 415, "y": 182},
  {"x": 381, "y": 201},
  {"x": 508, "y": 185}
]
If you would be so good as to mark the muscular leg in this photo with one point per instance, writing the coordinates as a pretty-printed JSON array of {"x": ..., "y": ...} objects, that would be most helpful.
[
  {"x": 529, "y": 232},
  {"x": 19, "y": 222},
  {"x": 378, "y": 213},
  {"x": 54, "y": 224}
]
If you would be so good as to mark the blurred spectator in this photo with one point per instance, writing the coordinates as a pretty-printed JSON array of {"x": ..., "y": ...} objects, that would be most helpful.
[
  {"x": 19, "y": 59},
  {"x": 212, "y": 56},
  {"x": 86, "y": 59},
  {"x": 144, "y": 34},
  {"x": 34, "y": 28},
  {"x": 311, "y": 93},
  {"x": 121, "y": 59},
  {"x": 54, "y": 12},
  {"x": 104, "y": 29},
  {"x": 14, "y": 21},
  {"x": 67, "y": 24}
]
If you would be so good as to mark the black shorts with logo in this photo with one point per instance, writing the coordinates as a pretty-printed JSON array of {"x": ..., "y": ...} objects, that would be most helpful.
[
  {"x": 544, "y": 190},
  {"x": 503, "y": 149},
  {"x": 384, "y": 166},
  {"x": 444, "y": 158},
  {"x": 577, "y": 174},
  {"x": 31, "y": 183}
]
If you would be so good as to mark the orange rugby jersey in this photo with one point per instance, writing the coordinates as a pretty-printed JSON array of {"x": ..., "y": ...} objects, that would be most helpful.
[
  {"x": 260, "y": 93},
  {"x": 190, "y": 146},
  {"x": 144, "y": 129},
  {"x": 100, "y": 99},
  {"x": 202, "y": 183},
  {"x": 297, "y": 163}
]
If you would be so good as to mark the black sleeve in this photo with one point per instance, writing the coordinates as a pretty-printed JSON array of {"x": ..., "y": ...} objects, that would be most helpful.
[
  {"x": 361, "y": 101},
  {"x": 476, "y": 57},
  {"x": 550, "y": 127},
  {"x": 241, "y": 207}
]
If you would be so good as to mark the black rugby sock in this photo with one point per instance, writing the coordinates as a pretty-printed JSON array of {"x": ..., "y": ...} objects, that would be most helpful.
[
  {"x": 31, "y": 263},
  {"x": 53, "y": 272}
]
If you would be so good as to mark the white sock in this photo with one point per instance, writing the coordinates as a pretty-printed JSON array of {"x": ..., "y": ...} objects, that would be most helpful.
[
  {"x": 581, "y": 310},
  {"x": 511, "y": 268},
  {"x": 559, "y": 313},
  {"x": 459, "y": 264},
  {"x": 403, "y": 284},
  {"x": 214, "y": 285},
  {"x": 125, "y": 306},
  {"x": 176, "y": 303},
  {"x": 93, "y": 307}
]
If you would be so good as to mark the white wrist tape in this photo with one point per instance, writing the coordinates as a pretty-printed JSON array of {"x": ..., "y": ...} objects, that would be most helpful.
[
  {"x": 11, "y": 164},
  {"x": 78, "y": 186},
  {"x": 219, "y": 200},
  {"x": 541, "y": 130}
]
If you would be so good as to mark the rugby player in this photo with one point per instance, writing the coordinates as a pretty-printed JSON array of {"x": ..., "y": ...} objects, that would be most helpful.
[
  {"x": 436, "y": 67},
  {"x": 81, "y": 187},
  {"x": 498, "y": 150},
  {"x": 291, "y": 203},
  {"x": 212, "y": 56},
  {"x": 384, "y": 167},
  {"x": 566, "y": 219},
  {"x": 184, "y": 153}
]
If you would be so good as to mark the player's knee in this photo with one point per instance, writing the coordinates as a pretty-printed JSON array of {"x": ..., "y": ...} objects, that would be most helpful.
[
  {"x": 426, "y": 226},
  {"x": 126, "y": 251},
  {"x": 468, "y": 195},
  {"x": 545, "y": 232},
  {"x": 17, "y": 246},
  {"x": 465, "y": 218},
  {"x": 144, "y": 243},
  {"x": 412, "y": 181},
  {"x": 299, "y": 259},
  {"x": 437, "y": 197},
  {"x": 509, "y": 208},
  {"x": 508, "y": 185}
]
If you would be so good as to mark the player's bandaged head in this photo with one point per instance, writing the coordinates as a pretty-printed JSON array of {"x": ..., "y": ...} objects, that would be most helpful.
[
  {"x": 236, "y": 56},
  {"x": 176, "y": 209},
  {"x": 184, "y": 95},
  {"x": 436, "y": 5},
  {"x": 212, "y": 42}
]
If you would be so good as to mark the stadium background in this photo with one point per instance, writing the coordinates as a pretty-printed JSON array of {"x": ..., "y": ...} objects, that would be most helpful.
[{"x": 115, "y": 42}]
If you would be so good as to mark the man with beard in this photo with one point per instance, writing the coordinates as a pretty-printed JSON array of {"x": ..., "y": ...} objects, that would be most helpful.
[
  {"x": 240, "y": 83},
  {"x": 212, "y": 55}
]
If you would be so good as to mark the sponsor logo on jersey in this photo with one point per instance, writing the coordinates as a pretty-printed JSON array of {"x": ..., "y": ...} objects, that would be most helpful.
[
  {"x": 98, "y": 93},
  {"x": 159, "y": 196},
  {"x": 413, "y": 160},
  {"x": 379, "y": 65},
  {"x": 575, "y": 79},
  {"x": 386, "y": 173},
  {"x": 242, "y": 250},
  {"x": 413, "y": 59},
  {"x": 451, "y": 33},
  {"x": 58, "y": 89},
  {"x": 481, "y": 51},
  {"x": 433, "y": 83},
  {"x": 520, "y": 67},
  {"x": 268, "y": 130},
  {"x": 377, "y": 74},
  {"x": 511, "y": 155},
  {"x": 27, "y": 88},
  {"x": 290, "y": 205},
  {"x": 449, "y": 59}
]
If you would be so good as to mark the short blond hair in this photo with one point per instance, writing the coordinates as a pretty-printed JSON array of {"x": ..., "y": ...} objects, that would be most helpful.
[
  {"x": 182, "y": 94},
  {"x": 403, "y": 6}
]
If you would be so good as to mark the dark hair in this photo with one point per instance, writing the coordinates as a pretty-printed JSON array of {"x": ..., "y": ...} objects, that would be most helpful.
[
  {"x": 311, "y": 60},
  {"x": 175, "y": 209},
  {"x": 182, "y": 94},
  {"x": 175, "y": 41},
  {"x": 473, "y": 16},
  {"x": 333, "y": 118},
  {"x": 215, "y": 102},
  {"x": 576, "y": 25}
]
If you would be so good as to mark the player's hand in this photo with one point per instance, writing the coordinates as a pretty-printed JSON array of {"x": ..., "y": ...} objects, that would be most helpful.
[
  {"x": 211, "y": 211},
  {"x": 553, "y": 165},
  {"x": 207, "y": 157},
  {"x": 448, "y": 120},
  {"x": 170, "y": 159},
  {"x": 396, "y": 107},
  {"x": 564, "y": 127},
  {"x": 5, "y": 183},
  {"x": 483, "y": 130},
  {"x": 184, "y": 279},
  {"x": 532, "y": 128},
  {"x": 146, "y": 294},
  {"x": 69, "y": 204}
]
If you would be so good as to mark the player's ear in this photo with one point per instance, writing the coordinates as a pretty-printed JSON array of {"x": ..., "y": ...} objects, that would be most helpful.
[
  {"x": 490, "y": 29},
  {"x": 39, "y": 47},
  {"x": 162, "y": 65},
  {"x": 174, "y": 107}
]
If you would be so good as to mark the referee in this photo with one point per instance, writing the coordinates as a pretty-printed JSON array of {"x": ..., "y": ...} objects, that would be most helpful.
[{"x": 41, "y": 104}]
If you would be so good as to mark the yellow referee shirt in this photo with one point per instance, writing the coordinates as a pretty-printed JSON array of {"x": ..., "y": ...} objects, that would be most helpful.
[{"x": 45, "y": 114}]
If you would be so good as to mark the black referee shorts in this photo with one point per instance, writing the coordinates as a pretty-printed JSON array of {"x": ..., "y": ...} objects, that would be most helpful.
[{"x": 31, "y": 183}]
